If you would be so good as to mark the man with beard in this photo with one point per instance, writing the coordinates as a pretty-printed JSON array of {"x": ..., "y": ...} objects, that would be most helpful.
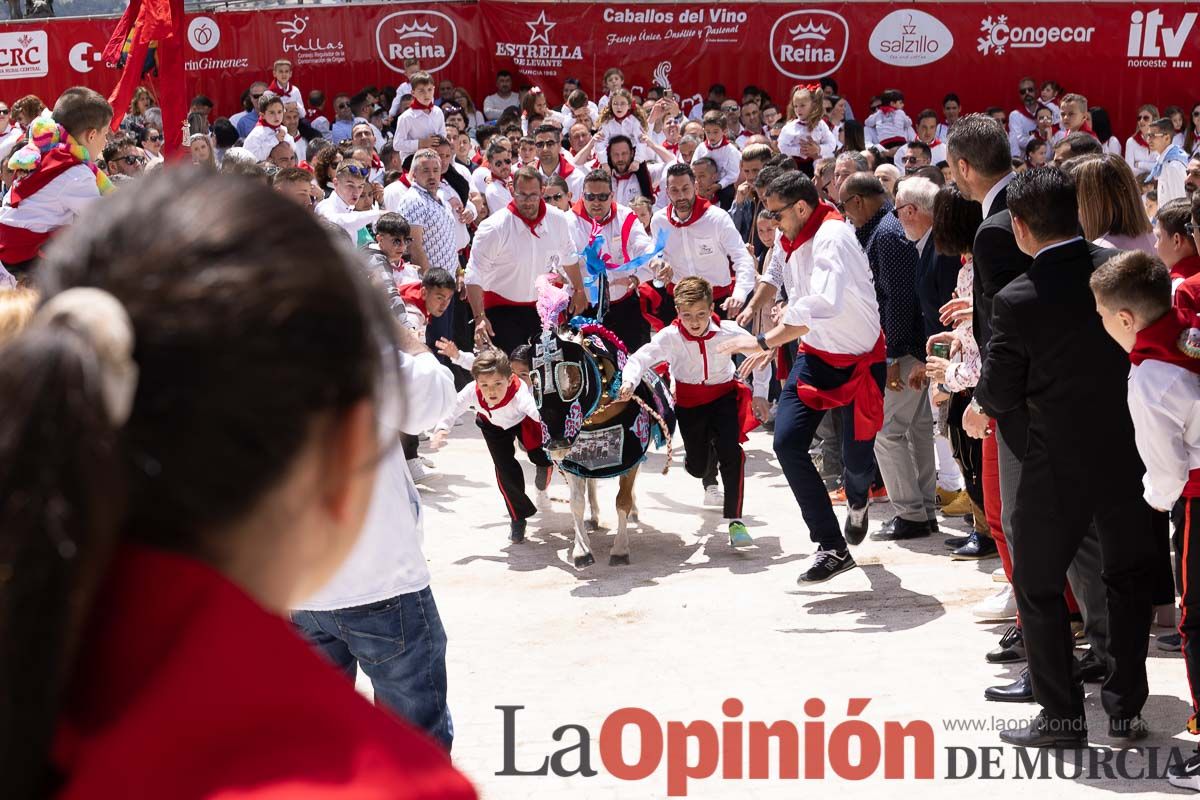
[{"x": 548, "y": 141}]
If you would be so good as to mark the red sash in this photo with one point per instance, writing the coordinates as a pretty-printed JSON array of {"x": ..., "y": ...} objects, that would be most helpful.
[
  {"x": 690, "y": 395},
  {"x": 413, "y": 295},
  {"x": 493, "y": 300},
  {"x": 650, "y": 301},
  {"x": 861, "y": 389},
  {"x": 21, "y": 244}
]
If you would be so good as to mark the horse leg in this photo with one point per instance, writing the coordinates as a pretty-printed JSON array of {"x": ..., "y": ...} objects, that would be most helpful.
[
  {"x": 581, "y": 547},
  {"x": 620, "y": 548},
  {"x": 593, "y": 520}
]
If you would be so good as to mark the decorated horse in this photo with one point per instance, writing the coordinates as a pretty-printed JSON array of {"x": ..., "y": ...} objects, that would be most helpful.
[{"x": 587, "y": 432}]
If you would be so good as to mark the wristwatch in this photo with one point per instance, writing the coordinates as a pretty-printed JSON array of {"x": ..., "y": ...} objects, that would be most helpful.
[{"x": 762, "y": 342}]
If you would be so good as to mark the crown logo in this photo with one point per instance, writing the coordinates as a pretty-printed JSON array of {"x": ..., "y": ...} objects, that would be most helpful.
[
  {"x": 416, "y": 31},
  {"x": 810, "y": 31}
]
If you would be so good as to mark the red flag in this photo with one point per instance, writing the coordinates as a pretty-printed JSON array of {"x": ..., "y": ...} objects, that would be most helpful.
[{"x": 144, "y": 22}]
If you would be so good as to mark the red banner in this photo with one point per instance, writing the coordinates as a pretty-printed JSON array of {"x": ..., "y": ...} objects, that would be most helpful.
[{"x": 1119, "y": 55}]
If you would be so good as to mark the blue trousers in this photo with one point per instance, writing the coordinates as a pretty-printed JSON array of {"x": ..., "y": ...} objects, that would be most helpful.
[
  {"x": 795, "y": 425},
  {"x": 401, "y": 646}
]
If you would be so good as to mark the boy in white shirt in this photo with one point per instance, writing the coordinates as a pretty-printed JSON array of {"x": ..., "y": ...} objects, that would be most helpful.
[
  {"x": 506, "y": 413},
  {"x": 282, "y": 87},
  {"x": 1133, "y": 298},
  {"x": 422, "y": 120},
  {"x": 890, "y": 127},
  {"x": 713, "y": 408},
  {"x": 269, "y": 130},
  {"x": 718, "y": 147}
]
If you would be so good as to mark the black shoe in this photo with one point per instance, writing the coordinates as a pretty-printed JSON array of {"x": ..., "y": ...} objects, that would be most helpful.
[
  {"x": 1090, "y": 669},
  {"x": 955, "y": 542},
  {"x": 516, "y": 531},
  {"x": 933, "y": 526},
  {"x": 1011, "y": 649},
  {"x": 1185, "y": 775},
  {"x": 977, "y": 547},
  {"x": 1019, "y": 691},
  {"x": 541, "y": 478},
  {"x": 902, "y": 529},
  {"x": 826, "y": 565},
  {"x": 1171, "y": 642},
  {"x": 1042, "y": 731},
  {"x": 1131, "y": 730},
  {"x": 856, "y": 524}
]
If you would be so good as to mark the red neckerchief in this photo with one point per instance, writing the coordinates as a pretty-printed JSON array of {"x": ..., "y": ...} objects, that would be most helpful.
[
  {"x": 275, "y": 88},
  {"x": 711, "y": 148},
  {"x": 497, "y": 179},
  {"x": 621, "y": 117},
  {"x": 1088, "y": 130},
  {"x": 1031, "y": 117},
  {"x": 1137, "y": 137},
  {"x": 1186, "y": 267},
  {"x": 698, "y": 208},
  {"x": 674, "y": 148},
  {"x": 936, "y": 141},
  {"x": 413, "y": 294},
  {"x": 887, "y": 109},
  {"x": 708, "y": 334},
  {"x": 581, "y": 210},
  {"x": 531, "y": 224},
  {"x": 375, "y": 162},
  {"x": 262, "y": 121},
  {"x": 565, "y": 167},
  {"x": 746, "y": 133},
  {"x": 404, "y": 179},
  {"x": 624, "y": 177},
  {"x": 477, "y": 159},
  {"x": 421, "y": 106},
  {"x": 514, "y": 383},
  {"x": 1160, "y": 342},
  {"x": 822, "y": 212}
]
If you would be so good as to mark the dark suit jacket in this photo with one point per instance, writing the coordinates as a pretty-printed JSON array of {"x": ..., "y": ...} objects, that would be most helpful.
[
  {"x": 937, "y": 276},
  {"x": 1052, "y": 364},
  {"x": 997, "y": 261}
]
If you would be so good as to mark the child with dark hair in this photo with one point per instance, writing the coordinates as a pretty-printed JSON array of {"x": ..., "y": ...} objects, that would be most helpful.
[
  {"x": 269, "y": 130},
  {"x": 889, "y": 127},
  {"x": 506, "y": 413}
]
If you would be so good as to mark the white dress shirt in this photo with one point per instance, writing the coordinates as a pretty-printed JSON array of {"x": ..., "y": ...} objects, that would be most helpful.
[
  {"x": 637, "y": 243},
  {"x": 334, "y": 209},
  {"x": 262, "y": 140},
  {"x": 1164, "y": 402},
  {"x": 728, "y": 158},
  {"x": 522, "y": 405},
  {"x": 413, "y": 126},
  {"x": 55, "y": 204},
  {"x": 506, "y": 258},
  {"x": 690, "y": 362},
  {"x": 1020, "y": 128},
  {"x": 705, "y": 248},
  {"x": 795, "y": 132},
  {"x": 834, "y": 293}
]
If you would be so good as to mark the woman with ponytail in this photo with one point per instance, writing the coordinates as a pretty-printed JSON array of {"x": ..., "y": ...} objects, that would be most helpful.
[{"x": 187, "y": 449}]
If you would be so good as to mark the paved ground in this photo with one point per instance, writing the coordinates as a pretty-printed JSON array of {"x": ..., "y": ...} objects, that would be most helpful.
[{"x": 691, "y": 623}]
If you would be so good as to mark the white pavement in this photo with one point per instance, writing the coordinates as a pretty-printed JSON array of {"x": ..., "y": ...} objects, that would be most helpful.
[{"x": 691, "y": 623}]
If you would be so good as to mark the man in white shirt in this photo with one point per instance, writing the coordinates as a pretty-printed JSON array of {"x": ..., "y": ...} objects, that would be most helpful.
[
  {"x": 348, "y": 184},
  {"x": 495, "y": 104},
  {"x": 1022, "y": 122},
  {"x": 834, "y": 310},
  {"x": 378, "y": 611},
  {"x": 495, "y": 181},
  {"x": 702, "y": 240},
  {"x": 512, "y": 248},
  {"x": 927, "y": 126},
  {"x": 548, "y": 141}
]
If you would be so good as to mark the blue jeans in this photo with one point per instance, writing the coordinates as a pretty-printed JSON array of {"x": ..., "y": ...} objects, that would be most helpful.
[
  {"x": 795, "y": 424},
  {"x": 401, "y": 646}
]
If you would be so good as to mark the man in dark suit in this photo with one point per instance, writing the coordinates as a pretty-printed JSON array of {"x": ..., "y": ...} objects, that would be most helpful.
[{"x": 1049, "y": 358}]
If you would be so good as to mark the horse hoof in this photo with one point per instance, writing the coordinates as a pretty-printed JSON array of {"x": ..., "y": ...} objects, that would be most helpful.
[
  {"x": 585, "y": 560},
  {"x": 633, "y": 517},
  {"x": 618, "y": 561},
  {"x": 593, "y": 524}
]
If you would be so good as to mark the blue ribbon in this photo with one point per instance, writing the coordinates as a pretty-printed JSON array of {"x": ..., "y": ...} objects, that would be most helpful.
[{"x": 596, "y": 266}]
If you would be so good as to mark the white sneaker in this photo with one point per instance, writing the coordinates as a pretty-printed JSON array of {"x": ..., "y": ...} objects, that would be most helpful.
[
  {"x": 713, "y": 497},
  {"x": 542, "y": 501},
  {"x": 1000, "y": 606},
  {"x": 998, "y": 575},
  {"x": 420, "y": 473},
  {"x": 428, "y": 463}
]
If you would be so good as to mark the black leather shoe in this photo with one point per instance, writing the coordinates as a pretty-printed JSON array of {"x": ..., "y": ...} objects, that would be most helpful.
[
  {"x": 955, "y": 542},
  {"x": 977, "y": 547},
  {"x": 1019, "y": 691},
  {"x": 1129, "y": 730},
  {"x": 933, "y": 526},
  {"x": 516, "y": 531},
  {"x": 1042, "y": 731},
  {"x": 1011, "y": 649},
  {"x": 856, "y": 524},
  {"x": 1090, "y": 668},
  {"x": 902, "y": 529}
]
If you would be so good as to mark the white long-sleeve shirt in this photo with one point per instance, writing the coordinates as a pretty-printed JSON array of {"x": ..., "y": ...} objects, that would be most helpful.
[
  {"x": 1164, "y": 402},
  {"x": 521, "y": 405},
  {"x": 631, "y": 126},
  {"x": 387, "y": 560},
  {"x": 637, "y": 243},
  {"x": 884, "y": 125},
  {"x": 728, "y": 158},
  {"x": 690, "y": 362},
  {"x": 796, "y": 131},
  {"x": 262, "y": 140},
  {"x": 334, "y": 209},
  {"x": 414, "y": 125},
  {"x": 506, "y": 258},
  {"x": 1171, "y": 181},
  {"x": 833, "y": 292},
  {"x": 292, "y": 95},
  {"x": 1020, "y": 128},
  {"x": 705, "y": 248},
  {"x": 55, "y": 204}
]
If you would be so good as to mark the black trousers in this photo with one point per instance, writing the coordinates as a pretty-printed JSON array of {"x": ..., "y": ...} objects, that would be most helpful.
[
  {"x": 1189, "y": 620},
  {"x": 968, "y": 451},
  {"x": 1050, "y": 520},
  {"x": 514, "y": 325},
  {"x": 410, "y": 444},
  {"x": 502, "y": 444},
  {"x": 713, "y": 431},
  {"x": 624, "y": 318}
]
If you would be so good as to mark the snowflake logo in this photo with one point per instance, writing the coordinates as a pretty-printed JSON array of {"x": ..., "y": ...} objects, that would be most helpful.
[{"x": 993, "y": 38}]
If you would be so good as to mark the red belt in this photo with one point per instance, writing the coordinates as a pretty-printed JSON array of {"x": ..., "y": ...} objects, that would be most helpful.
[
  {"x": 690, "y": 395},
  {"x": 493, "y": 300},
  {"x": 861, "y": 389},
  {"x": 1192, "y": 487}
]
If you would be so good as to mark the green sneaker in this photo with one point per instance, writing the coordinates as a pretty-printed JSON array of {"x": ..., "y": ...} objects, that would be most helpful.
[{"x": 739, "y": 536}]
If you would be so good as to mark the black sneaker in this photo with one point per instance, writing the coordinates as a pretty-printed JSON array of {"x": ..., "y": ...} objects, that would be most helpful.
[
  {"x": 856, "y": 524},
  {"x": 516, "y": 531},
  {"x": 1186, "y": 775},
  {"x": 903, "y": 529},
  {"x": 826, "y": 565},
  {"x": 1011, "y": 649},
  {"x": 1171, "y": 642},
  {"x": 541, "y": 478},
  {"x": 1130, "y": 730}
]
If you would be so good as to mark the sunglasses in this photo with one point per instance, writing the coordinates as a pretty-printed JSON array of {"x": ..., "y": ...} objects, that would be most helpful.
[
  {"x": 500, "y": 162},
  {"x": 256, "y": 96},
  {"x": 599, "y": 197},
  {"x": 1028, "y": 90},
  {"x": 909, "y": 159},
  {"x": 3, "y": 112},
  {"x": 153, "y": 138},
  {"x": 529, "y": 197},
  {"x": 1144, "y": 118},
  {"x": 553, "y": 198},
  {"x": 132, "y": 160},
  {"x": 1196, "y": 113},
  {"x": 342, "y": 105},
  {"x": 355, "y": 170},
  {"x": 540, "y": 145},
  {"x": 898, "y": 209},
  {"x": 774, "y": 215}
]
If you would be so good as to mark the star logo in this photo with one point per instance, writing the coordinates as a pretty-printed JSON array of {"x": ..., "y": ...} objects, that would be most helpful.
[{"x": 540, "y": 29}]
